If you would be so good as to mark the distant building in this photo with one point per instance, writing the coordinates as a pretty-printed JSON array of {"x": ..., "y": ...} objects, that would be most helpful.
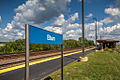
[
  {"x": 3, "y": 42},
  {"x": 109, "y": 43}
]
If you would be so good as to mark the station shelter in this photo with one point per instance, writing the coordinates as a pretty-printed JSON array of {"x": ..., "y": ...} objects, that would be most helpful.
[{"x": 109, "y": 43}]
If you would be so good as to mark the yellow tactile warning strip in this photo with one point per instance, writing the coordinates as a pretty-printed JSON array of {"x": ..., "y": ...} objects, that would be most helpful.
[{"x": 36, "y": 62}]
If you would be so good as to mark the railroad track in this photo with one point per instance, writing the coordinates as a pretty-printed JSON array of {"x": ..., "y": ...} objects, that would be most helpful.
[
  {"x": 19, "y": 54},
  {"x": 35, "y": 53},
  {"x": 15, "y": 55}
]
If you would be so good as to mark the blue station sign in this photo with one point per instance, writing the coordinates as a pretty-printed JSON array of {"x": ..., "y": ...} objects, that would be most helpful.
[{"x": 41, "y": 36}]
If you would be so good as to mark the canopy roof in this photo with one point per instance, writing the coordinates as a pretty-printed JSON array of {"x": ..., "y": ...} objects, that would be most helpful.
[{"x": 107, "y": 40}]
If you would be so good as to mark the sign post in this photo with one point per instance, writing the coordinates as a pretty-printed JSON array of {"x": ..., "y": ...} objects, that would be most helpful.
[
  {"x": 27, "y": 52},
  {"x": 62, "y": 62}
]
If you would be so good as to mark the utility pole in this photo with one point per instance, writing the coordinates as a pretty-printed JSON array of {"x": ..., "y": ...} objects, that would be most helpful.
[
  {"x": 95, "y": 30},
  {"x": 0, "y": 21},
  {"x": 83, "y": 26}
]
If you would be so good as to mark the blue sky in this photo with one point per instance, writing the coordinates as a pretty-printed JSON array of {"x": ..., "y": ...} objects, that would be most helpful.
[
  {"x": 13, "y": 16},
  {"x": 7, "y": 10},
  {"x": 95, "y": 7}
]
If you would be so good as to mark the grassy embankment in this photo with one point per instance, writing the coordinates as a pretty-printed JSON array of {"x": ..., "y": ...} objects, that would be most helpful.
[{"x": 100, "y": 66}]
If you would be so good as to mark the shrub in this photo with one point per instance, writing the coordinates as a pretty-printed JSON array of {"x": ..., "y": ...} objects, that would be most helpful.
[{"x": 108, "y": 49}]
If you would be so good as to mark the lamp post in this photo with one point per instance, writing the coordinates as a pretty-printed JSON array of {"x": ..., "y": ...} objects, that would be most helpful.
[{"x": 95, "y": 30}]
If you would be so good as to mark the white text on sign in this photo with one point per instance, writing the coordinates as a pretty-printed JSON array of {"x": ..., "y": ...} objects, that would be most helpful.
[{"x": 49, "y": 37}]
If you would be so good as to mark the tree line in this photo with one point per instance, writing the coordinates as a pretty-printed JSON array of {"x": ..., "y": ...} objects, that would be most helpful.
[{"x": 19, "y": 45}]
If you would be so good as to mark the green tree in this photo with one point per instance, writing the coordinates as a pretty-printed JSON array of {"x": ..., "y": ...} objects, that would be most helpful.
[
  {"x": 19, "y": 45},
  {"x": 16, "y": 46}
]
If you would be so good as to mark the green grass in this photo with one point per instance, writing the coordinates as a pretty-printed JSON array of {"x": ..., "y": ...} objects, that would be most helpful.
[{"x": 100, "y": 66}]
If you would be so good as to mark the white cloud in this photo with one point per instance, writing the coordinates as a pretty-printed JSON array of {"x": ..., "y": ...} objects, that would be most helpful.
[
  {"x": 70, "y": 20},
  {"x": 75, "y": 25},
  {"x": 73, "y": 34},
  {"x": 113, "y": 11},
  {"x": 91, "y": 26},
  {"x": 107, "y": 20},
  {"x": 42, "y": 9},
  {"x": 90, "y": 30},
  {"x": 74, "y": 17},
  {"x": 59, "y": 21},
  {"x": 9, "y": 27},
  {"x": 111, "y": 32},
  {"x": 80, "y": 0},
  {"x": 90, "y": 15},
  {"x": 70, "y": 25},
  {"x": 67, "y": 27},
  {"x": 70, "y": 32},
  {"x": 33, "y": 12},
  {"x": 111, "y": 29},
  {"x": 73, "y": 30},
  {"x": 39, "y": 11},
  {"x": 114, "y": 15},
  {"x": 54, "y": 29}
]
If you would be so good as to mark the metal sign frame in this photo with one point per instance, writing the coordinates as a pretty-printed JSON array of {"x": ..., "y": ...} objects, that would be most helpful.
[{"x": 27, "y": 34}]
